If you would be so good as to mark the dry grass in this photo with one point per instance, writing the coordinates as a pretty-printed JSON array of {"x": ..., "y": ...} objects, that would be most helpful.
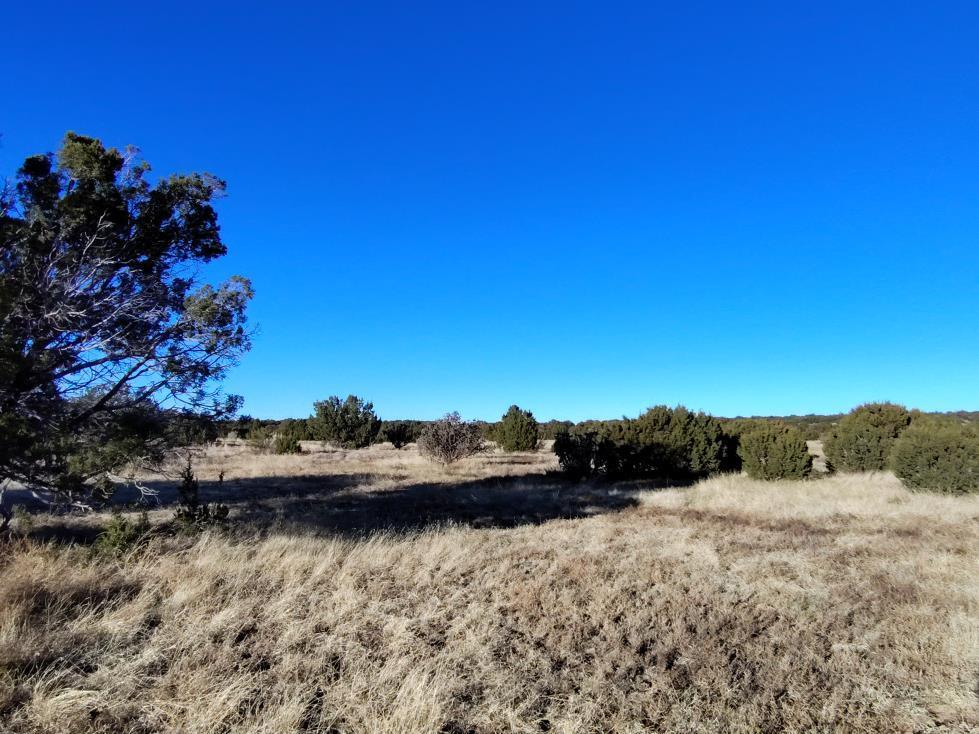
[{"x": 843, "y": 604}]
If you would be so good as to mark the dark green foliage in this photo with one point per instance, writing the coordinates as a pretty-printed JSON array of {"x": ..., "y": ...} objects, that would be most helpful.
[
  {"x": 349, "y": 424},
  {"x": 940, "y": 455},
  {"x": 192, "y": 514},
  {"x": 812, "y": 426},
  {"x": 863, "y": 439},
  {"x": 102, "y": 318},
  {"x": 730, "y": 459},
  {"x": 486, "y": 429},
  {"x": 287, "y": 436},
  {"x": 240, "y": 427},
  {"x": 450, "y": 439},
  {"x": 122, "y": 535},
  {"x": 583, "y": 455},
  {"x": 259, "y": 435},
  {"x": 550, "y": 430},
  {"x": 663, "y": 443},
  {"x": 681, "y": 444},
  {"x": 518, "y": 430},
  {"x": 286, "y": 444},
  {"x": 401, "y": 433},
  {"x": 775, "y": 451},
  {"x": 185, "y": 428}
]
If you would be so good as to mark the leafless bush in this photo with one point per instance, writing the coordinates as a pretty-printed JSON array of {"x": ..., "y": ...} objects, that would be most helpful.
[{"x": 450, "y": 438}]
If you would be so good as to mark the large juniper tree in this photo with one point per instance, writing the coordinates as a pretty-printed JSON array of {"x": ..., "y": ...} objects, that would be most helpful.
[{"x": 105, "y": 327}]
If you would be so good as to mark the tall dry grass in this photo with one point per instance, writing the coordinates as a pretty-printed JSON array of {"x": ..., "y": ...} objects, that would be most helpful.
[{"x": 844, "y": 604}]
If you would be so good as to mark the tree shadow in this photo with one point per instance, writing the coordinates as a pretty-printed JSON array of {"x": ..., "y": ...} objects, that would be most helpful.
[
  {"x": 236, "y": 492},
  {"x": 354, "y": 505}
]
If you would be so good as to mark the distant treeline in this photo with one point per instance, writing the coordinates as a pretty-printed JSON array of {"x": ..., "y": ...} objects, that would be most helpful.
[
  {"x": 938, "y": 451},
  {"x": 811, "y": 426}
]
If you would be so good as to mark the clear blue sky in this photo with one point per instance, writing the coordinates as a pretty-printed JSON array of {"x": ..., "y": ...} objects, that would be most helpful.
[{"x": 586, "y": 209}]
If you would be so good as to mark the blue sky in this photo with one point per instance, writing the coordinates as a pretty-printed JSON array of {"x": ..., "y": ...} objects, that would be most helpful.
[{"x": 582, "y": 208}]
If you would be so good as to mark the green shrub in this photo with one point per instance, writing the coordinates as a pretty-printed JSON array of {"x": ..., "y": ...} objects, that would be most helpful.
[
  {"x": 401, "y": 433},
  {"x": 191, "y": 513},
  {"x": 940, "y": 455},
  {"x": 258, "y": 435},
  {"x": 662, "y": 443},
  {"x": 518, "y": 431},
  {"x": 775, "y": 451},
  {"x": 286, "y": 444},
  {"x": 550, "y": 430},
  {"x": 679, "y": 443},
  {"x": 579, "y": 454},
  {"x": 349, "y": 424},
  {"x": 450, "y": 439},
  {"x": 122, "y": 535},
  {"x": 288, "y": 434},
  {"x": 863, "y": 439}
]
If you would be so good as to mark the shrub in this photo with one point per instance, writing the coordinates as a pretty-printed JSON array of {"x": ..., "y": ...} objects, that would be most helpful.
[
  {"x": 258, "y": 435},
  {"x": 191, "y": 513},
  {"x": 401, "y": 433},
  {"x": 775, "y": 451},
  {"x": 550, "y": 430},
  {"x": 578, "y": 454},
  {"x": 288, "y": 434},
  {"x": 588, "y": 454},
  {"x": 286, "y": 444},
  {"x": 518, "y": 431},
  {"x": 941, "y": 455},
  {"x": 350, "y": 424},
  {"x": 122, "y": 535},
  {"x": 678, "y": 443},
  {"x": 450, "y": 438},
  {"x": 863, "y": 439},
  {"x": 665, "y": 443},
  {"x": 730, "y": 459}
]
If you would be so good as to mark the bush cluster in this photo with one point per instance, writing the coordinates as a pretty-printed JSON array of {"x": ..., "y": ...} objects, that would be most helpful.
[
  {"x": 942, "y": 455},
  {"x": 864, "y": 438},
  {"x": 774, "y": 451},
  {"x": 401, "y": 433},
  {"x": 349, "y": 424},
  {"x": 589, "y": 454},
  {"x": 666, "y": 443},
  {"x": 450, "y": 439},
  {"x": 122, "y": 535},
  {"x": 518, "y": 430},
  {"x": 287, "y": 436},
  {"x": 662, "y": 443}
]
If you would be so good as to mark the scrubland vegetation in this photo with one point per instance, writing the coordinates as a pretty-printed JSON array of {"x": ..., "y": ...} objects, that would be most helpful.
[
  {"x": 372, "y": 590},
  {"x": 167, "y": 566}
]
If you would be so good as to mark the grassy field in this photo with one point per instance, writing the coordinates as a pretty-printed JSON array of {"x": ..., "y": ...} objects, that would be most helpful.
[{"x": 368, "y": 591}]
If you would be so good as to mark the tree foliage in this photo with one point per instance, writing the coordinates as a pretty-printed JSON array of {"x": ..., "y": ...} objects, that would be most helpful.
[
  {"x": 586, "y": 454},
  {"x": 350, "y": 423},
  {"x": 450, "y": 439},
  {"x": 288, "y": 434},
  {"x": 401, "y": 433},
  {"x": 102, "y": 315},
  {"x": 863, "y": 439},
  {"x": 939, "y": 455},
  {"x": 662, "y": 443},
  {"x": 775, "y": 451},
  {"x": 518, "y": 430},
  {"x": 192, "y": 514}
]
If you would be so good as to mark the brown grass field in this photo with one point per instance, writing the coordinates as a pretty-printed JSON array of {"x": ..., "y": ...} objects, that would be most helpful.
[{"x": 368, "y": 591}]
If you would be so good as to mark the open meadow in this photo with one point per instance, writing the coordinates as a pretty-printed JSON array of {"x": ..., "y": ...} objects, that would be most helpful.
[{"x": 372, "y": 591}]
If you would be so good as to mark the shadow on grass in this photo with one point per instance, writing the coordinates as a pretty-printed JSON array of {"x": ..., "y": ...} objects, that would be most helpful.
[
  {"x": 358, "y": 505},
  {"x": 354, "y": 505}
]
